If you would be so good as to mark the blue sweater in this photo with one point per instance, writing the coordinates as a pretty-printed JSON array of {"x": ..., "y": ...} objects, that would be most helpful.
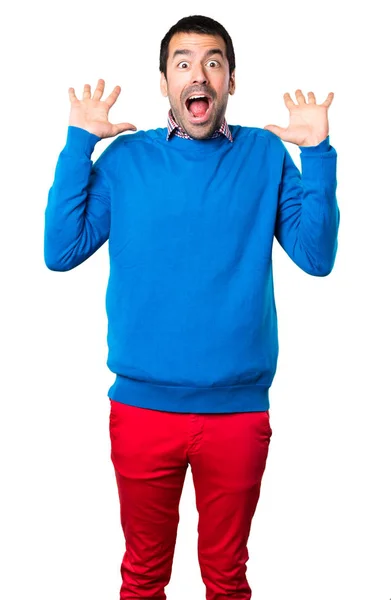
[{"x": 192, "y": 324}]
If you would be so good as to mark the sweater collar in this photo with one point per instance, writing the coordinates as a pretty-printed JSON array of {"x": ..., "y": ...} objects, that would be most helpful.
[{"x": 174, "y": 128}]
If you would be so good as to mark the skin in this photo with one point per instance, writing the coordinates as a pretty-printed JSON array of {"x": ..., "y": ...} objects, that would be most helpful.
[
  {"x": 308, "y": 122},
  {"x": 91, "y": 112},
  {"x": 197, "y": 73}
]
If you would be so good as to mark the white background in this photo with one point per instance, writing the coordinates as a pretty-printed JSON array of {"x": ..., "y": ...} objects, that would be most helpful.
[{"x": 322, "y": 526}]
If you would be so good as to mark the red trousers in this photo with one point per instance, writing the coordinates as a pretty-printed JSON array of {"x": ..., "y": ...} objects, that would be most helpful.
[{"x": 150, "y": 451}]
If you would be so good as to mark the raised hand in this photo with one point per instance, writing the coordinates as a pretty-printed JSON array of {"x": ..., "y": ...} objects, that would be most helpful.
[
  {"x": 92, "y": 113},
  {"x": 308, "y": 122}
]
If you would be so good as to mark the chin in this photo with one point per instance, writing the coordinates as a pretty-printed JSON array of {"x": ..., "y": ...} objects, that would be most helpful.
[
  {"x": 200, "y": 136},
  {"x": 201, "y": 132}
]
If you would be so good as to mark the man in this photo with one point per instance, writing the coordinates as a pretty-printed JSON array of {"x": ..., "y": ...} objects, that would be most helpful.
[{"x": 190, "y": 212}]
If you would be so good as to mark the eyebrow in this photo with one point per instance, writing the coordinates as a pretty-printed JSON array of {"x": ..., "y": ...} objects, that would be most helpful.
[{"x": 186, "y": 52}]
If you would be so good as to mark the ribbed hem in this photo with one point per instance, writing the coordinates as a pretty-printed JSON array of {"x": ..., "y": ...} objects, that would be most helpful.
[
  {"x": 227, "y": 399},
  {"x": 81, "y": 141}
]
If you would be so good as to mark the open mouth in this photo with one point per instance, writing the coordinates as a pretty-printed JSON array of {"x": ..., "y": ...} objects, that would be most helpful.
[{"x": 198, "y": 107}]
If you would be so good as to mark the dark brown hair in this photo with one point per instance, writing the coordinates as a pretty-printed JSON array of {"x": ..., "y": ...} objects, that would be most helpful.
[{"x": 201, "y": 25}]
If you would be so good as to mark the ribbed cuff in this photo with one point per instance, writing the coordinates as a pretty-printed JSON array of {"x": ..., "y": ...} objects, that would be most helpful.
[
  {"x": 322, "y": 147},
  {"x": 81, "y": 140}
]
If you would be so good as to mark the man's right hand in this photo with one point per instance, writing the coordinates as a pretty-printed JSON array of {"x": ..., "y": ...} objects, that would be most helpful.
[{"x": 92, "y": 113}]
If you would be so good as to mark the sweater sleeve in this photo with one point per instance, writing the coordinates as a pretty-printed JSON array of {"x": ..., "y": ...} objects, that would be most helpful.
[
  {"x": 77, "y": 215},
  {"x": 308, "y": 214}
]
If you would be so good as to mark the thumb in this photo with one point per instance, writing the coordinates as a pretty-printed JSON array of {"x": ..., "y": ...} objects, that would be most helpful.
[
  {"x": 121, "y": 127},
  {"x": 275, "y": 129}
]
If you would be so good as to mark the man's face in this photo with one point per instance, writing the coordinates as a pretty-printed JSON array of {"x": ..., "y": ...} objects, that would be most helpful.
[{"x": 197, "y": 65}]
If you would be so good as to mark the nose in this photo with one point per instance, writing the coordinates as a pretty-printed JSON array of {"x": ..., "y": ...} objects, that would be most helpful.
[{"x": 198, "y": 75}]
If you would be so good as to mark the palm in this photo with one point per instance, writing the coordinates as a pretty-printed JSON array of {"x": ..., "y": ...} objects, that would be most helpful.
[
  {"x": 308, "y": 122},
  {"x": 95, "y": 112}
]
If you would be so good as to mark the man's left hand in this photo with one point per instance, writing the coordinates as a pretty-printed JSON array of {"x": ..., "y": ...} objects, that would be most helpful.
[{"x": 308, "y": 122}]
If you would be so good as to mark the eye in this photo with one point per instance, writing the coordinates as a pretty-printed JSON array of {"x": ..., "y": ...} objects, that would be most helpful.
[{"x": 211, "y": 61}]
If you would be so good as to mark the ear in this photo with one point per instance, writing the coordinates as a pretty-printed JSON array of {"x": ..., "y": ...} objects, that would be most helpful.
[
  {"x": 232, "y": 84},
  {"x": 163, "y": 84}
]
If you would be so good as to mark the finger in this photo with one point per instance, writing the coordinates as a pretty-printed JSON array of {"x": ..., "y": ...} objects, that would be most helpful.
[
  {"x": 311, "y": 98},
  {"x": 87, "y": 91},
  {"x": 113, "y": 96},
  {"x": 288, "y": 100},
  {"x": 100, "y": 86},
  {"x": 300, "y": 97},
  {"x": 328, "y": 100},
  {"x": 72, "y": 95},
  {"x": 120, "y": 127}
]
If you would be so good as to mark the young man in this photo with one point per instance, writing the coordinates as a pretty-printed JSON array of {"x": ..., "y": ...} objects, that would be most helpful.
[{"x": 190, "y": 211}]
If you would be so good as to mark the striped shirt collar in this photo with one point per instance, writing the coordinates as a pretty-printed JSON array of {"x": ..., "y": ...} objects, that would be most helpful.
[{"x": 173, "y": 127}]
